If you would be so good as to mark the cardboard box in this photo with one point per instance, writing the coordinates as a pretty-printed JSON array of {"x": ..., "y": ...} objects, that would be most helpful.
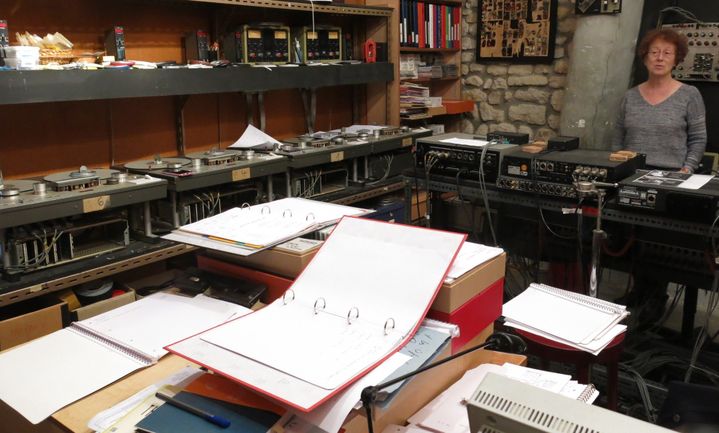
[
  {"x": 454, "y": 294},
  {"x": 276, "y": 285},
  {"x": 287, "y": 259},
  {"x": 475, "y": 315},
  {"x": 105, "y": 305},
  {"x": 28, "y": 320},
  {"x": 418, "y": 211}
]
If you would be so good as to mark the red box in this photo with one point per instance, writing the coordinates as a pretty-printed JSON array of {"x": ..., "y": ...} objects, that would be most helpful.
[
  {"x": 276, "y": 286},
  {"x": 474, "y": 315}
]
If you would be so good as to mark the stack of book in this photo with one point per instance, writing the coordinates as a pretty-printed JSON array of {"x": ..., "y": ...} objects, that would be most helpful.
[
  {"x": 413, "y": 101},
  {"x": 576, "y": 320}
]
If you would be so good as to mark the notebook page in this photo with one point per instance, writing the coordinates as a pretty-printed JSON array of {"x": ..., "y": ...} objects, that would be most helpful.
[
  {"x": 557, "y": 316},
  {"x": 42, "y": 376},
  {"x": 155, "y": 321}
]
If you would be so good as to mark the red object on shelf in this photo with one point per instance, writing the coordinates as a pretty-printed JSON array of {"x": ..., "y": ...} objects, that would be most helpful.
[
  {"x": 370, "y": 51},
  {"x": 474, "y": 315},
  {"x": 456, "y": 107}
]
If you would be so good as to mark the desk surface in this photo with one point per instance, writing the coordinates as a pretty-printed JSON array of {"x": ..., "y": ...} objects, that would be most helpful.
[{"x": 74, "y": 418}]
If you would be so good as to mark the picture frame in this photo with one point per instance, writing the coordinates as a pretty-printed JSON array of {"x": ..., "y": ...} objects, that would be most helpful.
[{"x": 516, "y": 31}]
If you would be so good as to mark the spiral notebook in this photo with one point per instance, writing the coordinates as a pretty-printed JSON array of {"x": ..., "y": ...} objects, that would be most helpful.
[
  {"x": 42, "y": 376},
  {"x": 247, "y": 229},
  {"x": 567, "y": 317},
  {"x": 358, "y": 301}
]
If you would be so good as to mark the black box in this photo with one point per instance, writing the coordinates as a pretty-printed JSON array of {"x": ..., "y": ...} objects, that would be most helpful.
[
  {"x": 562, "y": 143},
  {"x": 508, "y": 137},
  {"x": 115, "y": 43},
  {"x": 197, "y": 46},
  {"x": 234, "y": 47}
]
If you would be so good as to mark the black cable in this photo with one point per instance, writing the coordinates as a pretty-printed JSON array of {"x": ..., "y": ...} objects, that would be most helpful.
[{"x": 483, "y": 190}]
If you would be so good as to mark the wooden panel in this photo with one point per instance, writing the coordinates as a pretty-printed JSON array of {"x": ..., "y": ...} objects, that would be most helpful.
[
  {"x": 53, "y": 137},
  {"x": 152, "y": 35},
  {"x": 142, "y": 128}
]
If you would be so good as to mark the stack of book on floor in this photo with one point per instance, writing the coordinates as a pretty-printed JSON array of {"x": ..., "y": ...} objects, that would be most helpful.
[{"x": 576, "y": 320}]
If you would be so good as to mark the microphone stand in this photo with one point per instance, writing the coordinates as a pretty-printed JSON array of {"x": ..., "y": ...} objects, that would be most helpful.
[
  {"x": 499, "y": 340},
  {"x": 595, "y": 189}
]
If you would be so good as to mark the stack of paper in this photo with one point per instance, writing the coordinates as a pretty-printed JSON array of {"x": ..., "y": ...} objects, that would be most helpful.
[
  {"x": 447, "y": 413},
  {"x": 470, "y": 256},
  {"x": 576, "y": 320},
  {"x": 246, "y": 230}
]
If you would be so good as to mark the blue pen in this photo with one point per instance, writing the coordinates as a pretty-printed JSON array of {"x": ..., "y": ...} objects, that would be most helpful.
[{"x": 214, "y": 419}]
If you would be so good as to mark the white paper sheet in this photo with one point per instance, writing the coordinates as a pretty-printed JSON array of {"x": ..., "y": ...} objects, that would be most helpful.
[
  {"x": 383, "y": 270},
  {"x": 105, "y": 419},
  {"x": 696, "y": 181},
  {"x": 570, "y": 316},
  {"x": 254, "y": 138},
  {"x": 465, "y": 142},
  {"x": 270, "y": 223},
  {"x": 43, "y": 376},
  {"x": 152, "y": 322},
  {"x": 46, "y": 374},
  {"x": 470, "y": 256},
  {"x": 332, "y": 414},
  {"x": 447, "y": 412}
]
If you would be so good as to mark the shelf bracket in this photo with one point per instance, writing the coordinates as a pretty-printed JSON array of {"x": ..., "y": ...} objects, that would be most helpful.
[
  {"x": 249, "y": 110},
  {"x": 309, "y": 102},
  {"x": 180, "y": 102}
]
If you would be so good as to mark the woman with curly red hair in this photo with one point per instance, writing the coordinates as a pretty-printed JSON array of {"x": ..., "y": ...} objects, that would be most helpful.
[{"x": 662, "y": 117}]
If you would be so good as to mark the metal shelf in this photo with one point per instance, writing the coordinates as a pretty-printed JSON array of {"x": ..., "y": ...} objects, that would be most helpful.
[
  {"x": 137, "y": 254},
  {"x": 22, "y": 87},
  {"x": 318, "y": 7}
]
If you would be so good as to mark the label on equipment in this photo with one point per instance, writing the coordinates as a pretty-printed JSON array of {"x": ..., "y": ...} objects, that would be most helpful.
[
  {"x": 94, "y": 204},
  {"x": 241, "y": 174}
]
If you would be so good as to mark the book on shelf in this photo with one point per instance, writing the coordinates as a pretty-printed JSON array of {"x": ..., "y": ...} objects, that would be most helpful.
[{"x": 429, "y": 25}]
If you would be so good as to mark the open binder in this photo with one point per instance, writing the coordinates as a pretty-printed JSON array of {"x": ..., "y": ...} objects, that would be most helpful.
[
  {"x": 358, "y": 301},
  {"x": 247, "y": 229},
  {"x": 42, "y": 376}
]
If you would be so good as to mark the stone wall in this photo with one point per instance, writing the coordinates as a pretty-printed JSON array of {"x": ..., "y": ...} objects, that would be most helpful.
[{"x": 525, "y": 98}]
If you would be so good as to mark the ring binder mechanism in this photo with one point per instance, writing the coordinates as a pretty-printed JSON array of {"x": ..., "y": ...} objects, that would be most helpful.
[
  {"x": 320, "y": 307},
  {"x": 284, "y": 296},
  {"x": 350, "y": 317},
  {"x": 588, "y": 394},
  {"x": 389, "y": 329},
  {"x": 246, "y": 230},
  {"x": 315, "y": 352}
]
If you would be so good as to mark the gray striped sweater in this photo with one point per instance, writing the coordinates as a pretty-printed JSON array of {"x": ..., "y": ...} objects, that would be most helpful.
[{"x": 672, "y": 133}]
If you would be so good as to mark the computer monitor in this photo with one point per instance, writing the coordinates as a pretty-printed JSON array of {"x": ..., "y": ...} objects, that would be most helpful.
[{"x": 503, "y": 405}]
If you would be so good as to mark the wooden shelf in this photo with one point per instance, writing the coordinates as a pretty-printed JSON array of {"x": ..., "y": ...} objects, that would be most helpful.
[
  {"x": 458, "y": 106},
  {"x": 428, "y": 50},
  {"x": 429, "y": 80},
  {"x": 21, "y": 87}
]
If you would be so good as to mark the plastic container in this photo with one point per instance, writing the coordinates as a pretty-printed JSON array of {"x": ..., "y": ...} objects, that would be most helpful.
[{"x": 22, "y": 57}]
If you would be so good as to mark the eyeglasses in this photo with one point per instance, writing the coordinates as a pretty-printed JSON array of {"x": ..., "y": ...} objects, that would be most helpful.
[{"x": 656, "y": 53}]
